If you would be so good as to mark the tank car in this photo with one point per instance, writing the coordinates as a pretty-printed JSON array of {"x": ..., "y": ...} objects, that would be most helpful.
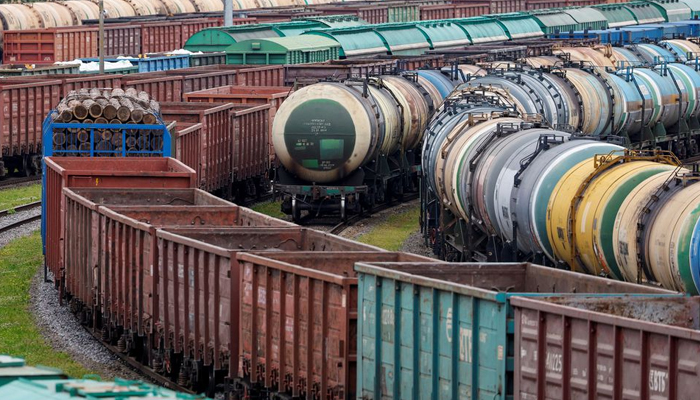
[
  {"x": 500, "y": 184},
  {"x": 348, "y": 146}
]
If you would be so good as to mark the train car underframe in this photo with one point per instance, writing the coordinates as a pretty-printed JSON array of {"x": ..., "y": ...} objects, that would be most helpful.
[
  {"x": 148, "y": 348},
  {"x": 454, "y": 239},
  {"x": 20, "y": 165},
  {"x": 384, "y": 180}
]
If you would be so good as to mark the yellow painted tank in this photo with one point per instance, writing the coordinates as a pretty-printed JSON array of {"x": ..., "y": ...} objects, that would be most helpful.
[
  {"x": 596, "y": 212},
  {"x": 558, "y": 213},
  {"x": 625, "y": 228},
  {"x": 668, "y": 240}
]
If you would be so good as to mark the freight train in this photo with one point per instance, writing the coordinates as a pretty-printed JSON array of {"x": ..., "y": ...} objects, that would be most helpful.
[
  {"x": 208, "y": 296},
  {"x": 21, "y": 143},
  {"x": 346, "y": 147},
  {"x": 574, "y": 168},
  {"x": 624, "y": 23},
  {"x": 570, "y": 90}
]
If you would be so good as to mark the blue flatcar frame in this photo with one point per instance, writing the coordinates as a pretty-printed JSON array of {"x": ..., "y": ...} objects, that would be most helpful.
[{"x": 48, "y": 151}]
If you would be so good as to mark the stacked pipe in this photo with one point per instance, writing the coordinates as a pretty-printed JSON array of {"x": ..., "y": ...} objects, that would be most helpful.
[
  {"x": 107, "y": 107},
  {"x": 593, "y": 206}
]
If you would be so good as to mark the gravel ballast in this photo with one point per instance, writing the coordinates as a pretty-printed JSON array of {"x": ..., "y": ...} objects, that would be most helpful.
[
  {"x": 58, "y": 326},
  {"x": 25, "y": 230},
  {"x": 63, "y": 332}
]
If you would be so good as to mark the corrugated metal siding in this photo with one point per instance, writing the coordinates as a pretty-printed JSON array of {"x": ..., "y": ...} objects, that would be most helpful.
[
  {"x": 645, "y": 13},
  {"x": 404, "y": 39},
  {"x": 617, "y": 16},
  {"x": 694, "y": 6},
  {"x": 556, "y": 21},
  {"x": 443, "y": 35},
  {"x": 431, "y": 331},
  {"x": 588, "y": 18},
  {"x": 482, "y": 30},
  {"x": 673, "y": 10},
  {"x": 519, "y": 26},
  {"x": 356, "y": 42}
]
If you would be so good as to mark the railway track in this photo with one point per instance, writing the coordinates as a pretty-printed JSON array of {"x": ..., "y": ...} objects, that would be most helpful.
[
  {"x": 352, "y": 220},
  {"x": 21, "y": 222},
  {"x": 14, "y": 181},
  {"x": 142, "y": 369}
]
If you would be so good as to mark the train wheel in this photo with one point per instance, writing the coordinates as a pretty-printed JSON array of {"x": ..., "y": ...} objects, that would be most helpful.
[
  {"x": 343, "y": 208},
  {"x": 296, "y": 212},
  {"x": 25, "y": 167}
]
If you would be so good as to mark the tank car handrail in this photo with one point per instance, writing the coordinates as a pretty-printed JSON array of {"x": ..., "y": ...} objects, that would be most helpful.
[{"x": 603, "y": 162}]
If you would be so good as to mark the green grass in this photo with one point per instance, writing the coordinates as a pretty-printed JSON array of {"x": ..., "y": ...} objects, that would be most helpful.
[
  {"x": 19, "y": 335},
  {"x": 393, "y": 232},
  {"x": 10, "y": 198},
  {"x": 271, "y": 208}
]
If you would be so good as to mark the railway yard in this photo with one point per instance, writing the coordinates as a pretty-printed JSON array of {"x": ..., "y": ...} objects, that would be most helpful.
[{"x": 404, "y": 199}]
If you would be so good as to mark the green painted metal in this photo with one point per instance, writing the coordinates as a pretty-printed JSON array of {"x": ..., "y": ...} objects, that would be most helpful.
[
  {"x": 12, "y": 368},
  {"x": 481, "y": 29},
  {"x": 403, "y": 39},
  {"x": 645, "y": 13},
  {"x": 338, "y": 21},
  {"x": 22, "y": 70},
  {"x": 283, "y": 50},
  {"x": 358, "y": 41},
  {"x": 423, "y": 333},
  {"x": 219, "y": 39},
  {"x": 588, "y": 18},
  {"x": 694, "y": 6},
  {"x": 9, "y": 361},
  {"x": 66, "y": 389},
  {"x": 442, "y": 34},
  {"x": 552, "y": 22},
  {"x": 296, "y": 28},
  {"x": 518, "y": 25},
  {"x": 617, "y": 15},
  {"x": 673, "y": 10}
]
